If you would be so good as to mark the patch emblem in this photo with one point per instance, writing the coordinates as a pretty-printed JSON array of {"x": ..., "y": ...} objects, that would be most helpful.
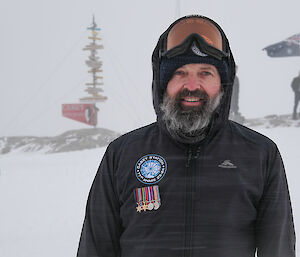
[
  {"x": 147, "y": 198},
  {"x": 150, "y": 168}
]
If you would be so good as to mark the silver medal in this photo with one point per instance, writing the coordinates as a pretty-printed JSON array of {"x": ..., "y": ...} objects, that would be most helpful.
[
  {"x": 150, "y": 206},
  {"x": 156, "y": 205}
]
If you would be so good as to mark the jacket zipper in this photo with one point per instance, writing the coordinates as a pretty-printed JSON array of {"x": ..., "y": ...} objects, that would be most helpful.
[
  {"x": 189, "y": 158},
  {"x": 188, "y": 217}
]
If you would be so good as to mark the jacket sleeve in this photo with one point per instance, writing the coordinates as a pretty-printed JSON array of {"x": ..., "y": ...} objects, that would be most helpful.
[
  {"x": 101, "y": 229},
  {"x": 275, "y": 235}
]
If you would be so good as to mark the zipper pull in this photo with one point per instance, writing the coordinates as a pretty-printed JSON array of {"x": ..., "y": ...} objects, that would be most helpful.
[
  {"x": 187, "y": 164},
  {"x": 197, "y": 152}
]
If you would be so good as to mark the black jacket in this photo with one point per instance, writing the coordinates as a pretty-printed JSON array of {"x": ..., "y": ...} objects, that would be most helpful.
[{"x": 225, "y": 196}]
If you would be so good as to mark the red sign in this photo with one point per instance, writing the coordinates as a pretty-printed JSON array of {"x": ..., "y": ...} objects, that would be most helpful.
[{"x": 86, "y": 113}]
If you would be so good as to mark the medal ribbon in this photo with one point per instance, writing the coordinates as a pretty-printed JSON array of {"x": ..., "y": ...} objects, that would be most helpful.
[
  {"x": 156, "y": 193},
  {"x": 147, "y": 195},
  {"x": 139, "y": 194},
  {"x": 144, "y": 194}
]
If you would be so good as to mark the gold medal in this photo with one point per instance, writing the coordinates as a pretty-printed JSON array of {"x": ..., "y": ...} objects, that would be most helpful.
[
  {"x": 144, "y": 206},
  {"x": 139, "y": 208}
]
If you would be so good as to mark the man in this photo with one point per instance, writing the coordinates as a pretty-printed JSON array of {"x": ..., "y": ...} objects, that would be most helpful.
[
  {"x": 296, "y": 88},
  {"x": 193, "y": 183},
  {"x": 234, "y": 113},
  {"x": 234, "y": 107}
]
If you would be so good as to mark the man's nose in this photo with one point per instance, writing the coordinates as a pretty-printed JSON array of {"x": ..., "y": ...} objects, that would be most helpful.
[{"x": 192, "y": 83}]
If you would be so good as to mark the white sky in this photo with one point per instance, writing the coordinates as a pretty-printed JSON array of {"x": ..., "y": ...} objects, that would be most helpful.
[{"x": 42, "y": 64}]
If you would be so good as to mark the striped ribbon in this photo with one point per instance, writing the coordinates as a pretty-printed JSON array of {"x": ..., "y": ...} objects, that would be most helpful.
[{"x": 147, "y": 195}]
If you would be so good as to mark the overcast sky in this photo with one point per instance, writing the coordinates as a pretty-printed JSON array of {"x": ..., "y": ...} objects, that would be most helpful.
[{"x": 42, "y": 64}]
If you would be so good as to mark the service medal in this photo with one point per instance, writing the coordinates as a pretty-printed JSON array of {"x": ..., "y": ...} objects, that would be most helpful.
[
  {"x": 147, "y": 198},
  {"x": 156, "y": 205},
  {"x": 150, "y": 206}
]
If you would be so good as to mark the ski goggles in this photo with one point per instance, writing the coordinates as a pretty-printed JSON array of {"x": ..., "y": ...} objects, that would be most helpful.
[{"x": 195, "y": 30}]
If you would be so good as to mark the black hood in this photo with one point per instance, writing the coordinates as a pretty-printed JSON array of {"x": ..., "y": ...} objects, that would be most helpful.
[{"x": 221, "y": 114}]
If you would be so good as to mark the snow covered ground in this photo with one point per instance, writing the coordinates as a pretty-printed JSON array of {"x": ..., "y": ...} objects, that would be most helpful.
[
  {"x": 42, "y": 201},
  {"x": 43, "y": 196}
]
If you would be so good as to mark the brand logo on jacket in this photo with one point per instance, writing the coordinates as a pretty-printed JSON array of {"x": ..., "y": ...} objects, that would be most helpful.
[
  {"x": 147, "y": 198},
  {"x": 227, "y": 164},
  {"x": 150, "y": 168}
]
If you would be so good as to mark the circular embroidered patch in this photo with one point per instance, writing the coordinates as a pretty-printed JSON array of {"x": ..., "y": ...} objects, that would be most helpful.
[{"x": 150, "y": 168}]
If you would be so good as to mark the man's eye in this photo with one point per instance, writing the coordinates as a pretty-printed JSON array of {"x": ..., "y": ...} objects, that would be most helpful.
[
  {"x": 206, "y": 73},
  {"x": 179, "y": 72}
]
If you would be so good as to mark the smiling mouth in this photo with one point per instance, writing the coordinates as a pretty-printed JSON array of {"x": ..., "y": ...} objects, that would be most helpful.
[{"x": 191, "y": 99}]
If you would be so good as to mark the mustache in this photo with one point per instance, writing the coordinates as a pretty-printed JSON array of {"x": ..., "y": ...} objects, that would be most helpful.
[{"x": 195, "y": 93}]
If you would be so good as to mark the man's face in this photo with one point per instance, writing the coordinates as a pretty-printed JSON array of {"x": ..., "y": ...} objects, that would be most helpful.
[
  {"x": 192, "y": 78},
  {"x": 192, "y": 94}
]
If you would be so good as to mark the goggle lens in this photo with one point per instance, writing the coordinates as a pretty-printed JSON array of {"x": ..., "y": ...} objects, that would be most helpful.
[{"x": 195, "y": 25}]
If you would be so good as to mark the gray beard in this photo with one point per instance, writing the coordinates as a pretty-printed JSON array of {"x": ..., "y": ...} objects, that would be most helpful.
[{"x": 189, "y": 121}]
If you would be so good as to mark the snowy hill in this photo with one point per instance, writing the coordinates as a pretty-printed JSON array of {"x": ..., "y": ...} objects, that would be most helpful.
[
  {"x": 75, "y": 140},
  {"x": 273, "y": 121},
  {"x": 72, "y": 140}
]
